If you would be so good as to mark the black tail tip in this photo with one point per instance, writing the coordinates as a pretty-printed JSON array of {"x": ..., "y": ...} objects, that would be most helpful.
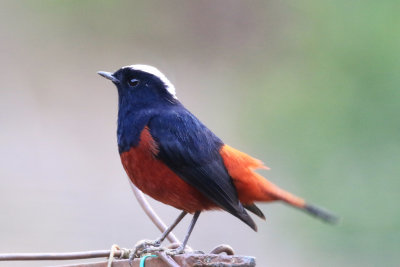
[
  {"x": 254, "y": 209},
  {"x": 245, "y": 217},
  {"x": 322, "y": 214}
]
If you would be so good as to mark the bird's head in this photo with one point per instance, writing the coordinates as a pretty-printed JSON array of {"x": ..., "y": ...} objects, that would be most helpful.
[{"x": 141, "y": 85}]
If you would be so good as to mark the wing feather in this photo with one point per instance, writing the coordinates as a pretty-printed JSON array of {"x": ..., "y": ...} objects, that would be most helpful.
[{"x": 191, "y": 150}]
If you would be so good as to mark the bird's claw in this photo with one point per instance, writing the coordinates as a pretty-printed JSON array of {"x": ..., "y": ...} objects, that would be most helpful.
[
  {"x": 144, "y": 247},
  {"x": 176, "y": 251}
]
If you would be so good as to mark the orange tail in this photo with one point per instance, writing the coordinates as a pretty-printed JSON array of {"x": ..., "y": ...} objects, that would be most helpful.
[
  {"x": 252, "y": 187},
  {"x": 279, "y": 194}
]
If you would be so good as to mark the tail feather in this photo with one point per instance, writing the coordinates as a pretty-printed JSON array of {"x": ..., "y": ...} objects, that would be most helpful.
[
  {"x": 297, "y": 202},
  {"x": 245, "y": 217},
  {"x": 252, "y": 187},
  {"x": 300, "y": 203},
  {"x": 320, "y": 213},
  {"x": 254, "y": 209},
  {"x": 313, "y": 210}
]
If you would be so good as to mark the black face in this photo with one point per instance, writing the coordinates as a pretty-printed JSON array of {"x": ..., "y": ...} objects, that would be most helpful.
[{"x": 137, "y": 86}]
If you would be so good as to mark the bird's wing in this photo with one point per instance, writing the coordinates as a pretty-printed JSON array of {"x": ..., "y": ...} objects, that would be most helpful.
[{"x": 191, "y": 150}]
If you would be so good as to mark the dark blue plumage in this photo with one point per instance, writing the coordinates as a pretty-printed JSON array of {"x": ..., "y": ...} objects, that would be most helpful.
[
  {"x": 184, "y": 144},
  {"x": 191, "y": 150}
]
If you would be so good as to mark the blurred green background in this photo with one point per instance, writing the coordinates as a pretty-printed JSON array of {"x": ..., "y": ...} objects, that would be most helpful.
[{"x": 309, "y": 87}]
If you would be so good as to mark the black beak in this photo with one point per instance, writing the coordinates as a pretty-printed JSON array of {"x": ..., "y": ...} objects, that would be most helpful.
[{"x": 108, "y": 75}]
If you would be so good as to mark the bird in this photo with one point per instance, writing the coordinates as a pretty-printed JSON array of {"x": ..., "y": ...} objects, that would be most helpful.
[{"x": 171, "y": 156}]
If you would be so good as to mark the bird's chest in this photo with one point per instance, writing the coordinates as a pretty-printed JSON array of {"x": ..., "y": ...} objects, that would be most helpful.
[{"x": 155, "y": 179}]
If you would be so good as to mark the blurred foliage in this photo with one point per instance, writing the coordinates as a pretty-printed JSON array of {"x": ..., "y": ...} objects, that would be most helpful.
[{"x": 332, "y": 106}]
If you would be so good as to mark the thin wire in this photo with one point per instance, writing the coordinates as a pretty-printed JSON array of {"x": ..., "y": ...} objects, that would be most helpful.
[
  {"x": 58, "y": 256},
  {"x": 151, "y": 213},
  {"x": 143, "y": 260},
  {"x": 121, "y": 253}
]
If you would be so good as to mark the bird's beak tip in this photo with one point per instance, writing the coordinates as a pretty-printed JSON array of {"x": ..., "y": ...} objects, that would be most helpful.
[{"x": 108, "y": 75}]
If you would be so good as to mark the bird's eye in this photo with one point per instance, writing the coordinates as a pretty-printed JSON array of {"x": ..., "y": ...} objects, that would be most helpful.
[{"x": 133, "y": 82}]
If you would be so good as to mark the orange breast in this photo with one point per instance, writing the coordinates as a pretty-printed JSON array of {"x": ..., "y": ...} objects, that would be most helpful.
[{"x": 155, "y": 179}]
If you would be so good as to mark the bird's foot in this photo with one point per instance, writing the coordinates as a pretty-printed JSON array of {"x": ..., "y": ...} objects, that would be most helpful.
[
  {"x": 177, "y": 251},
  {"x": 145, "y": 247}
]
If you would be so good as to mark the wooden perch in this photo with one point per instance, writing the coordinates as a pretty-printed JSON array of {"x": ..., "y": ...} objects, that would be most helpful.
[{"x": 184, "y": 260}]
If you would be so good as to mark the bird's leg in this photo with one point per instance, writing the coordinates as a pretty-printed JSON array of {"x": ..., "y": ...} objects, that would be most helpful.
[
  {"x": 158, "y": 242},
  {"x": 182, "y": 247},
  {"x": 146, "y": 246}
]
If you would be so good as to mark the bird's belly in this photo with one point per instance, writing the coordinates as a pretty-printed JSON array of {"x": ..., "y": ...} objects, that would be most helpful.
[{"x": 155, "y": 179}]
